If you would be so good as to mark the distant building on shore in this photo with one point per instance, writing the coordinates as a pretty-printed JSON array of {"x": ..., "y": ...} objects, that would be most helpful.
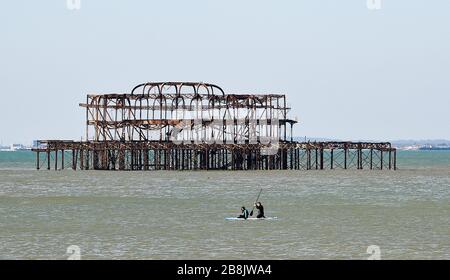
[
  {"x": 15, "y": 147},
  {"x": 435, "y": 148}
]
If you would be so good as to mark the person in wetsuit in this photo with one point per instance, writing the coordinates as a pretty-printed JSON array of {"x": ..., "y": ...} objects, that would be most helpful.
[
  {"x": 244, "y": 214},
  {"x": 260, "y": 210}
]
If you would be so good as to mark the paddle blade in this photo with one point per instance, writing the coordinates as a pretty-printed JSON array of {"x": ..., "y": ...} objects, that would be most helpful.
[{"x": 251, "y": 213}]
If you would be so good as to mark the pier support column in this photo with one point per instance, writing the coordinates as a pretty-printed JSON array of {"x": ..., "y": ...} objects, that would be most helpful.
[
  {"x": 308, "y": 159},
  {"x": 87, "y": 159},
  {"x": 121, "y": 159},
  {"x": 145, "y": 159},
  {"x": 74, "y": 160},
  {"x": 62, "y": 159},
  {"x": 81, "y": 159},
  {"x": 371, "y": 159},
  {"x": 332, "y": 159},
  {"x": 48, "y": 160},
  {"x": 395, "y": 159},
  {"x": 390, "y": 159},
  {"x": 316, "y": 159},
  {"x": 284, "y": 159},
  {"x": 381, "y": 159},
  {"x": 37, "y": 161},
  {"x": 345, "y": 158},
  {"x": 56, "y": 159},
  {"x": 321, "y": 159},
  {"x": 360, "y": 159}
]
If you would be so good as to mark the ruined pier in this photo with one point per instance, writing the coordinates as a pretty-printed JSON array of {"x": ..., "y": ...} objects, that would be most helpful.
[{"x": 197, "y": 126}]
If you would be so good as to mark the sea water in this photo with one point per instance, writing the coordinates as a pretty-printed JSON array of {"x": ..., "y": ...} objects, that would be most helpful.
[{"x": 334, "y": 214}]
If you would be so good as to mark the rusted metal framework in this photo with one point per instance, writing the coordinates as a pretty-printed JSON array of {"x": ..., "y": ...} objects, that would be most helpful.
[
  {"x": 152, "y": 111},
  {"x": 197, "y": 126}
]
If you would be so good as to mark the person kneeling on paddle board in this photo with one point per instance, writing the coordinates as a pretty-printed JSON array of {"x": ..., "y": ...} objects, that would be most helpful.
[
  {"x": 244, "y": 214},
  {"x": 260, "y": 208}
]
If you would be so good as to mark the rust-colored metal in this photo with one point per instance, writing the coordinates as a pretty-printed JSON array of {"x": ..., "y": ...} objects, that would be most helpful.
[{"x": 197, "y": 126}]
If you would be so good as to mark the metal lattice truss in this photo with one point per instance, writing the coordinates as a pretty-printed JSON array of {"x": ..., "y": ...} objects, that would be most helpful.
[{"x": 187, "y": 112}]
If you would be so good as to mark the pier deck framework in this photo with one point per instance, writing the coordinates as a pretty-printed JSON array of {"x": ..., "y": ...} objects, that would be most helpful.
[{"x": 197, "y": 126}]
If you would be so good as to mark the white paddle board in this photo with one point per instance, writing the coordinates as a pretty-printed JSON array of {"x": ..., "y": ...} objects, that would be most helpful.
[{"x": 250, "y": 219}]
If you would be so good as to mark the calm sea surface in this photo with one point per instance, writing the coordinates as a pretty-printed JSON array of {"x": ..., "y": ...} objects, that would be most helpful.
[{"x": 173, "y": 215}]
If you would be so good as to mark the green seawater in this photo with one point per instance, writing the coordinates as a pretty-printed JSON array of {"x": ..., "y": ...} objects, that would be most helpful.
[{"x": 181, "y": 215}]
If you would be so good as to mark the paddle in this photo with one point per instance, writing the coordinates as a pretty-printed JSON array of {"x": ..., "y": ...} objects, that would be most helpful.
[{"x": 251, "y": 213}]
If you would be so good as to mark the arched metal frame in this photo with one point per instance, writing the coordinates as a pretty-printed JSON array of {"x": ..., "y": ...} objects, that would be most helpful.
[{"x": 152, "y": 110}]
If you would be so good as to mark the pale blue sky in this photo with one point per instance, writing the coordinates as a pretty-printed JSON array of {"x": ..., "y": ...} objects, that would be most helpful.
[{"x": 349, "y": 72}]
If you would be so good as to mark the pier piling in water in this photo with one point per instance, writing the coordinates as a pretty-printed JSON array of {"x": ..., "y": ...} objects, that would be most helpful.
[{"x": 153, "y": 155}]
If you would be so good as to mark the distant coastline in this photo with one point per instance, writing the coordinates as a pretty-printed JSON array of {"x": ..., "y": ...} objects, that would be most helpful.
[
  {"x": 15, "y": 147},
  {"x": 434, "y": 149},
  {"x": 422, "y": 145}
]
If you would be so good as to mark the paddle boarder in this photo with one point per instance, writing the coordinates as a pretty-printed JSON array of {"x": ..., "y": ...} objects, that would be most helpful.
[
  {"x": 260, "y": 210},
  {"x": 244, "y": 214}
]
